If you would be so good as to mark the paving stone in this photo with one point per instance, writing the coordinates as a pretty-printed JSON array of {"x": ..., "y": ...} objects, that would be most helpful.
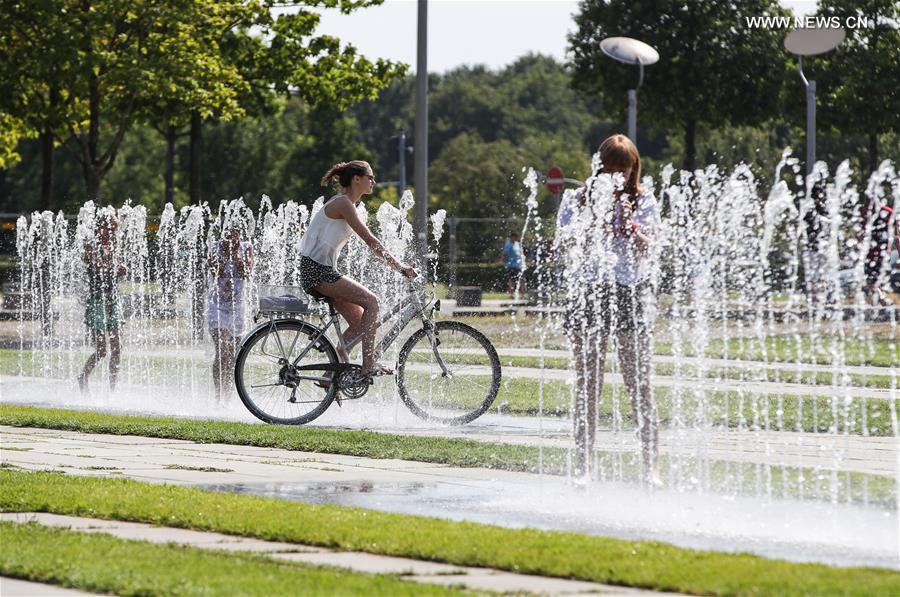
[
  {"x": 507, "y": 582},
  {"x": 14, "y": 587},
  {"x": 73, "y": 522},
  {"x": 372, "y": 563}
]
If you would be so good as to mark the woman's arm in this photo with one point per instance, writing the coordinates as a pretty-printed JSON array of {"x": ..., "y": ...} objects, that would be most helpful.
[
  {"x": 347, "y": 210},
  {"x": 640, "y": 231}
]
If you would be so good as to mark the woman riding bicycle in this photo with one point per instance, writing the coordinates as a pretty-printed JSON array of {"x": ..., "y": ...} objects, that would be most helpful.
[{"x": 326, "y": 236}]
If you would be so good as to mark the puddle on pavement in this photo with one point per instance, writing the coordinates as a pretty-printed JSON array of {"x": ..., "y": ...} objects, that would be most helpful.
[{"x": 786, "y": 529}]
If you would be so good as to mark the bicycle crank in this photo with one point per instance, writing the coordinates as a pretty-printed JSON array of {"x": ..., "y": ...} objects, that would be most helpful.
[{"x": 352, "y": 383}]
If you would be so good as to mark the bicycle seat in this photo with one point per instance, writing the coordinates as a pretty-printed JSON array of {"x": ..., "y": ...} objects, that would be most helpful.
[{"x": 321, "y": 298}]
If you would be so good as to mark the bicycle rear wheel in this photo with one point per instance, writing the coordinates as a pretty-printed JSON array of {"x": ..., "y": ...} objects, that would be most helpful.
[
  {"x": 269, "y": 385},
  {"x": 467, "y": 388}
]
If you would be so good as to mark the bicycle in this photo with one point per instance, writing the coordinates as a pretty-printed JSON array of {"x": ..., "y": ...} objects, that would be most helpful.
[{"x": 446, "y": 372}]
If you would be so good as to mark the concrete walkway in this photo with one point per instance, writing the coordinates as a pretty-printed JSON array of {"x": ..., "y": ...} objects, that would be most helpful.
[
  {"x": 834, "y": 533},
  {"x": 13, "y": 587},
  {"x": 480, "y": 579}
]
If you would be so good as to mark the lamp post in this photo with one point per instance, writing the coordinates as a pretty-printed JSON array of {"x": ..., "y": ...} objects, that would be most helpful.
[
  {"x": 421, "y": 139},
  {"x": 810, "y": 42},
  {"x": 631, "y": 51}
]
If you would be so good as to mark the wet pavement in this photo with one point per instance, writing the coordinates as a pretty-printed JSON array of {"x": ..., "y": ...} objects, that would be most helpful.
[
  {"x": 832, "y": 533},
  {"x": 824, "y": 452}
]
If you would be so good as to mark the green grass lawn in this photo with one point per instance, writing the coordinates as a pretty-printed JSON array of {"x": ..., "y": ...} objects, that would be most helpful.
[
  {"x": 721, "y": 475},
  {"x": 103, "y": 564},
  {"x": 645, "y": 564},
  {"x": 723, "y": 409},
  {"x": 878, "y": 352}
]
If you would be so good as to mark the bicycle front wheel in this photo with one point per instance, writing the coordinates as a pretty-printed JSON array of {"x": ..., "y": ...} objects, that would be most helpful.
[
  {"x": 448, "y": 375},
  {"x": 268, "y": 382}
]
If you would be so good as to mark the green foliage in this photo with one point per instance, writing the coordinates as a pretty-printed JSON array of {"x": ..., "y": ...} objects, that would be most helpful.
[
  {"x": 486, "y": 126},
  {"x": 86, "y": 70},
  {"x": 857, "y": 82},
  {"x": 713, "y": 68},
  {"x": 12, "y": 130},
  {"x": 648, "y": 564},
  {"x": 104, "y": 564},
  {"x": 489, "y": 276}
]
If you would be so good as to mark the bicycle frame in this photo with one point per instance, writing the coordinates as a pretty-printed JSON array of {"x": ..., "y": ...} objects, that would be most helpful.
[{"x": 411, "y": 306}]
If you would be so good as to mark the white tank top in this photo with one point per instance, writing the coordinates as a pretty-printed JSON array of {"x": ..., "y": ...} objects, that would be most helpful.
[{"x": 325, "y": 238}]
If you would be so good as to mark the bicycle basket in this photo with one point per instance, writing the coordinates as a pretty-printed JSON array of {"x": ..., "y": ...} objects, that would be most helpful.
[{"x": 289, "y": 300}]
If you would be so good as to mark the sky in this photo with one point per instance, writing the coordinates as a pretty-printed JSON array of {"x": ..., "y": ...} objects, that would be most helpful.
[{"x": 490, "y": 32}]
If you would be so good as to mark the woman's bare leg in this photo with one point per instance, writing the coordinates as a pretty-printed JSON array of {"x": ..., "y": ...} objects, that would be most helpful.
[
  {"x": 589, "y": 349},
  {"x": 228, "y": 348},
  {"x": 348, "y": 290},
  {"x": 217, "y": 338},
  {"x": 115, "y": 357},
  {"x": 634, "y": 358},
  {"x": 353, "y": 315},
  {"x": 98, "y": 338}
]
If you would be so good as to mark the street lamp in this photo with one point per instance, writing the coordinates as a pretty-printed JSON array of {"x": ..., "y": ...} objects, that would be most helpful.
[
  {"x": 810, "y": 42},
  {"x": 631, "y": 51}
]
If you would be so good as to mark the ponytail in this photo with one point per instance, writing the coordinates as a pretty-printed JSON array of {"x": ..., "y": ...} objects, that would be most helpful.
[{"x": 342, "y": 173}]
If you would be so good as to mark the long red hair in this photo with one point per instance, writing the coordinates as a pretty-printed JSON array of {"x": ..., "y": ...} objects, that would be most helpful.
[{"x": 617, "y": 154}]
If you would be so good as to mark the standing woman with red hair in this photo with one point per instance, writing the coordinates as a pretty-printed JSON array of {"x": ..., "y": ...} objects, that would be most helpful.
[{"x": 612, "y": 295}]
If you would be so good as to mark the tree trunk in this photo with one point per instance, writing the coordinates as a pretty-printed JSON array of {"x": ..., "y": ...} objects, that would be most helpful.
[
  {"x": 91, "y": 182},
  {"x": 170, "y": 163},
  {"x": 196, "y": 137},
  {"x": 47, "y": 154},
  {"x": 690, "y": 148},
  {"x": 873, "y": 152},
  {"x": 46, "y": 168}
]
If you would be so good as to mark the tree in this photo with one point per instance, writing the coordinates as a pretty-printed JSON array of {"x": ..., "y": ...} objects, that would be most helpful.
[
  {"x": 89, "y": 67},
  {"x": 858, "y": 81},
  {"x": 474, "y": 178},
  {"x": 714, "y": 68},
  {"x": 280, "y": 56},
  {"x": 12, "y": 130},
  {"x": 30, "y": 97},
  {"x": 84, "y": 71}
]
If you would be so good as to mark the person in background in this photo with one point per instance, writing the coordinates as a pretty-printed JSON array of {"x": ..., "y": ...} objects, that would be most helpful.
[
  {"x": 895, "y": 257},
  {"x": 514, "y": 263},
  {"x": 230, "y": 262},
  {"x": 815, "y": 256},
  {"x": 879, "y": 250},
  {"x": 616, "y": 298},
  {"x": 102, "y": 312}
]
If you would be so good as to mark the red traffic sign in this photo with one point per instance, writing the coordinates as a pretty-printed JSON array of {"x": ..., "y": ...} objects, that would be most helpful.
[{"x": 555, "y": 180}]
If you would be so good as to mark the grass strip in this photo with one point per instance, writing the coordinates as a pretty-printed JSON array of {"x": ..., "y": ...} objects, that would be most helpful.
[
  {"x": 725, "y": 476},
  {"x": 644, "y": 564},
  {"x": 711, "y": 408},
  {"x": 369, "y": 444},
  {"x": 104, "y": 564},
  {"x": 748, "y": 372}
]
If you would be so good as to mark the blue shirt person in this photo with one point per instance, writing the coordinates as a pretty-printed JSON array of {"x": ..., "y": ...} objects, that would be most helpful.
[{"x": 514, "y": 261}]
